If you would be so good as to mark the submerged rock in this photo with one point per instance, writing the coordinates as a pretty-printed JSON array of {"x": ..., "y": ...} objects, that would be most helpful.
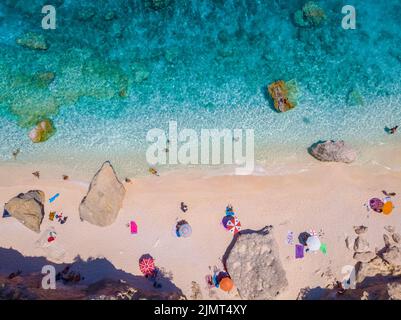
[
  {"x": 141, "y": 73},
  {"x": 355, "y": 98},
  {"x": 42, "y": 132},
  {"x": 28, "y": 208},
  {"x": 157, "y": 4},
  {"x": 33, "y": 41},
  {"x": 105, "y": 197},
  {"x": 284, "y": 94},
  {"x": 254, "y": 265},
  {"x": 311, "y": 15},
  {"x": 334, "y": 151},
  {"x": 43, "y": 79}
]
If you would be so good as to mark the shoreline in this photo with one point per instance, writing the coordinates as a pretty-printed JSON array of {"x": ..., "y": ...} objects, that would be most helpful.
[{"x": 383, "y": 157}]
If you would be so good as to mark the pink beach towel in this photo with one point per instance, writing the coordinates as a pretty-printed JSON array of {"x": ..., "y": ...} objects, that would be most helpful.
[{"x": 134, "y": 227}]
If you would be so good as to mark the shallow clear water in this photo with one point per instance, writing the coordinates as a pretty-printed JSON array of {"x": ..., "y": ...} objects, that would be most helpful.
[{"x": 204, "y": 64}]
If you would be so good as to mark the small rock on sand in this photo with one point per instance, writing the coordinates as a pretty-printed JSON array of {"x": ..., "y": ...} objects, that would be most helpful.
[
  {"x": 396, "y": 237},
  {"x": 387, "y": 241},
  {"x": 360, "y": 229},
  {"x": 361, "y": 244},
  {"x": 389, "y": 229},
  {"x": 364, "y": 256}
]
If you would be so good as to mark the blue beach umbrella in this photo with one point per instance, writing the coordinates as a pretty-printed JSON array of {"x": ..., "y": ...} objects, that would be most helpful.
[{"x": 184, "y": 231}]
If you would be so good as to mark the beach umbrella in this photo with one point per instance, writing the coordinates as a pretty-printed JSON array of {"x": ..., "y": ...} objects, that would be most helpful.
[
  {"x": 313, "y": 243},
  {"x": 376, "y": 204},
  {"x": 234, "y": 225},
  {"x": 387, "y": 208},
  {"x": 185, "y": 230},
  {"x": 147, "y": 266},
  {"x": 225, "y": 220},
  {"x": 226, "y": 284}
]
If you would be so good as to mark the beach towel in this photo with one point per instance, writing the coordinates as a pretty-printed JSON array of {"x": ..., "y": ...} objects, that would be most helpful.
[
  {"x": 323, "y": 248},
  {"x": 6, "y": 214},
  {"x": 290, "y": 237},
  {"x": 134, "y": 227},
  {"x": 299, "y": 251},
  {"x": 54, "y": 197}
]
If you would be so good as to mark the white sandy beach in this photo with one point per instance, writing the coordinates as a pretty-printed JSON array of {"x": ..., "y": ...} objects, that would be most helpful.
[{"x": 328, "y": 197}]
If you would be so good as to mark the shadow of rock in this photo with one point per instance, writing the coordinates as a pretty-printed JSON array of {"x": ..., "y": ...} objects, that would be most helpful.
[{"x": 98, "y": 275}]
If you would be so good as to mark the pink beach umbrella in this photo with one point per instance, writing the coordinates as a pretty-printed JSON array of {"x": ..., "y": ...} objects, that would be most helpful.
[
  {"x": 147, "y": 266},
  {"x": 234, "y": 225}
]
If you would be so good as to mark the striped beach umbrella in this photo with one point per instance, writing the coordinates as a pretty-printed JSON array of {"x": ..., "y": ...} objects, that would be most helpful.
[
  {"x": 234, "y": 225},
  {"x": 147, "y": 266}
]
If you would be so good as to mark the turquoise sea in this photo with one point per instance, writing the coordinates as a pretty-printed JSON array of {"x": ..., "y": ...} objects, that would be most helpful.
[{"x": 122, "y": 67}]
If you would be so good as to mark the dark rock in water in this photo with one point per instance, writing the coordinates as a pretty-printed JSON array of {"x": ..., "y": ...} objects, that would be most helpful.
[
  {"x": 157, "y": 4},
  {"x": 253, "y": 263},
  {"x": 104, "y": 199},
  {"x": 28, "y": 208},
  {"x": 333, "y": 151},
  {"x": 42, "y": 131},
  {"x": 311, "y": 15}
]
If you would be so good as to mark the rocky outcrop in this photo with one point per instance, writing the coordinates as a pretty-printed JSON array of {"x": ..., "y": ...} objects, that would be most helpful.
[
  {"x": 33, "y": 41},
  {"x": 42, "y": 132},
  {"x": 361, "y": 244},
  {"x": 28, "y": 208},
  {"x": 378, "y": 278},
  {"x": 104, "y": 199},
  {"x": 333, "y": 151},
  {"x": 253, "y": 263},
  {"x": 311, "y": 15}
]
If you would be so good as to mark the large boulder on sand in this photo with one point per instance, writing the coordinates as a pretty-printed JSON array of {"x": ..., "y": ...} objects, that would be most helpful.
[
  {"x": 335, "y": 151},
  {"x": 28, "y": 208},
  {"x": 104, "y": 199},
  {"x": 254, "y": 265}
]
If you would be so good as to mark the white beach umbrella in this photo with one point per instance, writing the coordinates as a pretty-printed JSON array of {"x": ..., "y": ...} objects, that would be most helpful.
[{"x": 313, "y": 243}]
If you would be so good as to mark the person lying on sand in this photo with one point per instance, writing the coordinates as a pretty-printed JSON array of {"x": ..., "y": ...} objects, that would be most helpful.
[
  {"x": 68, "y": 276},
  {"x": 393, "y": 130},
  {"x": 184, "y": 207},
  {"x": 154, "y": 171},
  {"x": 16, "y": 153},
  {"x": 389, "y": 194},
  {"x": 36, "y": 174}
]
